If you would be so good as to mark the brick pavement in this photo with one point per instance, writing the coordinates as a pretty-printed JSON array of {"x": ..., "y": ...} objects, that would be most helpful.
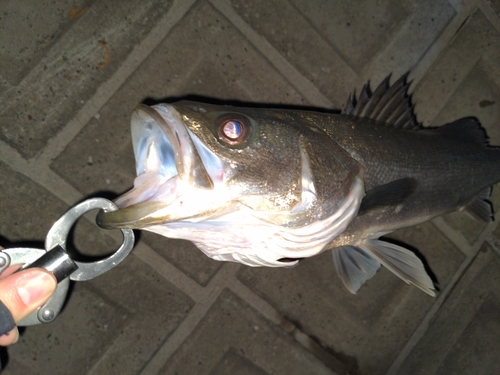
[{"x": 72, "y": 72}]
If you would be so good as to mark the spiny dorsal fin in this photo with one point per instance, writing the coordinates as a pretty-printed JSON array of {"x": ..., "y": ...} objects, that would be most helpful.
[
  {"x": 388, "y": 104},
  {"x": 467, "y": 129}
]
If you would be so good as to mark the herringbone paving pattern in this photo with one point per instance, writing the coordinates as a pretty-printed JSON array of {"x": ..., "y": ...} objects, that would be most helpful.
[{"x": 72, "y": 72}]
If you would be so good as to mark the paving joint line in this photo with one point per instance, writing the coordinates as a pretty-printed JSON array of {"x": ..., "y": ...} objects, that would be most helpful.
[
  {"x": 169, "y": 272},
  {"x": 462, "y": 15},
  {"x": 38, "y": 167},
  {"x": 494, "y": 244},
  {"x": 327, "y": 42},
  {"x": 204, "y": 297},
  {"x": 41, "y": 174},
  {"x": 489, "y": 13},
  {"x": 223, "y": 279},
  {"x": 377, "y": 61},
  {"x": 287, "y": 70},
  {"x": 275, "y": 317},
  {"x": 424, "y": 324},
  {"x": 106, "y": 90},
  {"x": 441, "y": 299},
  {"x": 486, "y": 234},
  {"x": 456, "y": 237}
]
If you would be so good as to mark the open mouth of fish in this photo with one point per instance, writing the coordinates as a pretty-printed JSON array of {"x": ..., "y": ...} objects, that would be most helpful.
[{"x": 176, "y": 173}]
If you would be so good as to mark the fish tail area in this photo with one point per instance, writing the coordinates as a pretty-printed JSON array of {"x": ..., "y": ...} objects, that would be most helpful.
[
  {"x": 356, "y": 264},
  {"x": 469, "y": 129},
  {"x": 481, "y": 207}
]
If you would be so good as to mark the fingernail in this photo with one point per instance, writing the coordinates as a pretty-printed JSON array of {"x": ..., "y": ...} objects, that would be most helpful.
[
  {"x": 15, "y": 332},
  {"x": 17, "y": 336},
  {"x": 35, "y": 286}
]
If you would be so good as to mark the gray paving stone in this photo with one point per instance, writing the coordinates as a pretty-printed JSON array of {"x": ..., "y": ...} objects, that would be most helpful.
[
  {"x": 28, "y": 210},
  {"x": 156, "y": 307},
  {"x": 365, "y": 330},
  {"x": 89, "y": 240},
  {"x": 111, "y": 325},
  {"x": 464, "y": 79},
  {"x": 469, "y": 227},
  {"x": 204, "y": 55},
  {"x": 37, "y": 107},
  {"x": 100, "y": 158},
  {"x": 357, "y": 35},
  {"x": 233, "y": 363},
  {"x": 331, "y": 42},
  {"x": 495, "y": 4},
  {"x": 73, "y": 342},
  {"x": 291, "y": 34},
  {"x": 415, "y": 38},
  {"x": 43, "y": 23},
  {"x": 185, "y": 256},
  {"x": 231, "y": 330},
  {"x": 477, "y": 348},
  {"x": 495, "y": 197},
  {"x": 463, "y": 337},
  {"x": 478, "y": 95},
  {"x": 496, "y": 237}
]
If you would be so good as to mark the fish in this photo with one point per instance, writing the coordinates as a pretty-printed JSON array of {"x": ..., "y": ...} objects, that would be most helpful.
[{"x": 272, "y": 186}]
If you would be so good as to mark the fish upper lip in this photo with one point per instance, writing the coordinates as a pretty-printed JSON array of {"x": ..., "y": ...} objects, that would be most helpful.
[{"x": 189, "y": 165}]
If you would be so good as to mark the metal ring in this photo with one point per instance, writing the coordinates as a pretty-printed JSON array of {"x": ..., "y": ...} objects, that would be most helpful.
[
  {"x": 4, "y": 261},
  {"x": 58, "y": 235}
]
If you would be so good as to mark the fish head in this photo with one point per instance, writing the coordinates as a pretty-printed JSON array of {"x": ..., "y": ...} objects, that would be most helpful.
[{"x": 230, "y": 179}]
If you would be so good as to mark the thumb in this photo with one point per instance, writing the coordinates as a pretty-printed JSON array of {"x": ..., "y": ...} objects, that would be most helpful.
[{"x": 23, "y": 292}]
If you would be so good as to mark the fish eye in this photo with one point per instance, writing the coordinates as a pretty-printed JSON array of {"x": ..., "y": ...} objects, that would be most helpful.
[{"x": 234, "y": 129}]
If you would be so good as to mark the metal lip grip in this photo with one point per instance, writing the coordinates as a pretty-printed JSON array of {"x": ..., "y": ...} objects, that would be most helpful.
[
  {"x": 55, "y": 259},
  {"x": 58, "y": 235}
]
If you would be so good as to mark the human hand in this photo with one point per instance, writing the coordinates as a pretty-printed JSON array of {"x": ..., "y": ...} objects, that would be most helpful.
[{"x": 21, "y": 293}]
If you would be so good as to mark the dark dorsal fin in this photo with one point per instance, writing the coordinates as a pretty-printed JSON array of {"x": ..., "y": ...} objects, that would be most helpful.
[
  {"x": 388, "y": 104},
  {"x": 467, "y": 129}
]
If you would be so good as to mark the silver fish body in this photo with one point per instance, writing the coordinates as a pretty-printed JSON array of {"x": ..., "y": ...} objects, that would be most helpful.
[{"x": 267, "y": 187}]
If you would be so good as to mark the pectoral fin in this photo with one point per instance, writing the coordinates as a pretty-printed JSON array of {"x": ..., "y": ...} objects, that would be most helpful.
[
  {"x": 402, "y": 262},
  {"x": 356, "y": 264},
  {"x": 390, "y": 194}
]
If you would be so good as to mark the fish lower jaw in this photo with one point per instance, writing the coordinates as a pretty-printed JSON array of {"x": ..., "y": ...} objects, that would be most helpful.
[
  {"x": 150, "y": 186},
  {"x": 154, "y": 203}
]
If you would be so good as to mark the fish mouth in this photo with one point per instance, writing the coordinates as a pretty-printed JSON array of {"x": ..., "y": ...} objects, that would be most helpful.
[{"x": 170, "y": 162}]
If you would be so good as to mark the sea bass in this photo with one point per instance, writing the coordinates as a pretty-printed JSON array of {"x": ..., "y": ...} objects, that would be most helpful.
[{"x": 268, "y": 187}]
